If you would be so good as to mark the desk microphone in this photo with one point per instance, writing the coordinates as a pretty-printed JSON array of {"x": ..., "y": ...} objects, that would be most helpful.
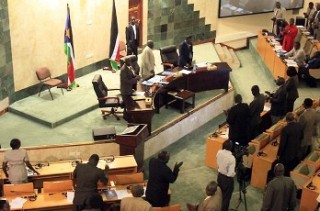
[{"x": 30, "y": 198}]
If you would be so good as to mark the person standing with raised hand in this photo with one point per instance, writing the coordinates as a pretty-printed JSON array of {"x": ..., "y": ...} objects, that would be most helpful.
[{"x": 160, "y": 175}]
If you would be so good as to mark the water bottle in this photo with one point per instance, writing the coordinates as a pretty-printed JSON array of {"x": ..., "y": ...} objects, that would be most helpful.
[{"x": 194, "y": 69}]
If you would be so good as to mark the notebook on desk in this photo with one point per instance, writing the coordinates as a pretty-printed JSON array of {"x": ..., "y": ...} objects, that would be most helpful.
[{"x": 110, "y": 194}]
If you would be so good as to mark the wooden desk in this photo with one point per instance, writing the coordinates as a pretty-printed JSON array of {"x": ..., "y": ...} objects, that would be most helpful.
[
  {"x": 274, "y": 63},
  {"x": 213, "y": 145},
  {"x": 279, "y": 68},
  {"x": 62, "y": 170},
  {"x": 308, "y": 198},
  {"x": 58, "y": 201},
  {"x": 262, "y": 165}
]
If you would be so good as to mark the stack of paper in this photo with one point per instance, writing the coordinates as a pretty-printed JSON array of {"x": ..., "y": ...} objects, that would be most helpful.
[
  {"x": 291, "y": 62},
  {"x": 17, "y": 203},
  {"x": 184, "y": 71}
]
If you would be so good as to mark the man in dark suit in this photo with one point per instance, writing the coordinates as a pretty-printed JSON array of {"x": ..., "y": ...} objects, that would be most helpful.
[
  {"x": 132, "y": 37},
  {"x": 186, "y": 52},
  {"x": 290, "y": 141},
  {"x": 278, "y": 101},
  {"x": 160, "y": 175},
  {"x": 128, "y": 79},
  {"x": 86, "y": 177},
  {"x": 255, "y": 110},
  {"x": 238, "y": 117}
]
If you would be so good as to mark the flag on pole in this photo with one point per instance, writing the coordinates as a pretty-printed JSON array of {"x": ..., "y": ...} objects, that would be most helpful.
[
  {"x": 69, "y": 51},
  {"x": 114, "y": 49}
]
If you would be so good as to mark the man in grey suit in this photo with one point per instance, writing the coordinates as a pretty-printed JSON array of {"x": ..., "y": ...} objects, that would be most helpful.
[{"x": 309, "y": 120}]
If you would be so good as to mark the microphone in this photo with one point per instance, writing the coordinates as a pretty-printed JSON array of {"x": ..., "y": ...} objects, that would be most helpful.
[{"x": 32, "y": 195}]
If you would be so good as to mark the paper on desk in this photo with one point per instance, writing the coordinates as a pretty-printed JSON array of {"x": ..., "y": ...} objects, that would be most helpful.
[
  {"x": 123, "y": 193},
  {"x": 17, "y": 203},
  {"x": 184, "y": 71},
  {"x": 165, "y": 73},
  {"x": 156, "y": 79},
  {"x": 70, "y": 196},
  {"x": 291, "y": 62},
  {"x": 225, "y": 134}
]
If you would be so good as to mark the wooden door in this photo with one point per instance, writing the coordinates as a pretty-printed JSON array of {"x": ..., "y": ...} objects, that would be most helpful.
[{"x": 135, "y": 9}]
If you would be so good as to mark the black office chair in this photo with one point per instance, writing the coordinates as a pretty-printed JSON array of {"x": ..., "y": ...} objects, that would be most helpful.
[
  {"x": 169, "y": 57},
  {"x": 105, "y": 101}
]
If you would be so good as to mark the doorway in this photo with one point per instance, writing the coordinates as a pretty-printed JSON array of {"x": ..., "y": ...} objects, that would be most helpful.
[{"x": 135, "y": 9}]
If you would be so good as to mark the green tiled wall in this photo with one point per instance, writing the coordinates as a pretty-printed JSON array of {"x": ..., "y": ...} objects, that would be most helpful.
[
  {"x": 6, "y": 69},
  {"x": 170, "y": 21}
]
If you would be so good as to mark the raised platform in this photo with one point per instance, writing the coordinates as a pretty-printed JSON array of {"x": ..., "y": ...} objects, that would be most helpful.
[{"x": 63, "y": 108}]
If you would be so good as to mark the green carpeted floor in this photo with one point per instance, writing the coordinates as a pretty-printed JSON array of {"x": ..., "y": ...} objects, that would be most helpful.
[{"x": 194, "y": 175}]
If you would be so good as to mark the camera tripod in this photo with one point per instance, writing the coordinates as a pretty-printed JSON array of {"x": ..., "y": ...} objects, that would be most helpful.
[{"x": 242, "y": 191}]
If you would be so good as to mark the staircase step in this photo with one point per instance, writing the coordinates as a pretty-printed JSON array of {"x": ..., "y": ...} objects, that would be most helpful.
[{"x": 236, "y": 63}]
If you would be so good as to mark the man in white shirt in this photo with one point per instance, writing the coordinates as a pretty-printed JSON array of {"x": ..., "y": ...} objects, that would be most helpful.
[
  {"x": 147, "y": 61},
  {"x": 297, "y": 54},
  {"x": 226, "y": 168},
  {"x": 278, "y": 13}
]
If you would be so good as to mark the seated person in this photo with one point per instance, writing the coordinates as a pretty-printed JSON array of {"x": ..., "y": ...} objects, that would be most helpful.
[
  {"x": 186, "y": 52},
  {"x": 136, "y": 202},
  {"x": 313, "y": 63},
  {"x": 212, "y": 201},
  {"x": 297, "y": 54}
]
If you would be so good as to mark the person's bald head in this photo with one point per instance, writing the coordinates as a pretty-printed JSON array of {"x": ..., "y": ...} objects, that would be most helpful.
[
  {"x": 278, "y": 169},
  {"x": 150, "y": 44},
  {"x": 290, "y": 117}
]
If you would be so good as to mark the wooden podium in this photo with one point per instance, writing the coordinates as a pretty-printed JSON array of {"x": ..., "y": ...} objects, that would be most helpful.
[{"x": 133, "y": 143}]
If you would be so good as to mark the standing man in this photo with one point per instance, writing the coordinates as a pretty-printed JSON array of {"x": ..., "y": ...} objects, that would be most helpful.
[
  {"x": 290, "y": 142},
  {"x": 292, "y": 87},
  {"x": 278, "y": 101},
  {"x": 85, "y": 178},
  {"x": 128, "y": 79},
  {"x": 309, "y": 14},
  {"x": 226, "y": 171},
  {"x": 186, "y": 52},
  {"x": 132, "y": 37},
  {"x": 280, "y": 193},
  {"x": 255, "y": 110},
  {"x": 135, "y": 203},
  {"x": 314, "y": 23},
  {"x": 289, "y": 34},
  {"x": 15, "y": 162},
  {"x": 309, "y": 120},
  {"x": 278, "y": 13},
  {"x": 160, "y": 175},
  {"x": 238, "y": 118},
  {"x": 148, "y": 62}
]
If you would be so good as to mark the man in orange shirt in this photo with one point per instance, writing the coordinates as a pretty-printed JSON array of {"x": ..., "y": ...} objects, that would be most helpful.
[{"x": 289, "y": 34}]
